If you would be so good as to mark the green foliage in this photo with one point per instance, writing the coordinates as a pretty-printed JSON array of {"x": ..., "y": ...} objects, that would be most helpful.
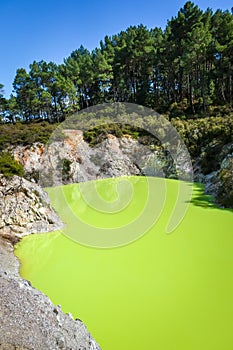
[
  {"x": 25, "y": 134},
  {"x": 183, "y": 70},
  {"x": 198, "y": 133},
  {"x": 8, "y": 166},
  {"x": 97, "y": 134},
  {"x": 177, "y": 110},
  {"x": 64, "y": 165}
]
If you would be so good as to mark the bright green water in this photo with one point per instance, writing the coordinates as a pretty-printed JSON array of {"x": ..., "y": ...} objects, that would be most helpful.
[{"x": 165, "y": 292}]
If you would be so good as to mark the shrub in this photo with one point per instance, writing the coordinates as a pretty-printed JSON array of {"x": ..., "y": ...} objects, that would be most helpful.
[
  {"x": 25, "y": 134},
  {"x": 225, "y": 192},
  {"x": 198, "y": 133},
  {"x": 99, "y": 133},
  {"x": 9, "y": 166},
  {"x": 64, "y": 165}
]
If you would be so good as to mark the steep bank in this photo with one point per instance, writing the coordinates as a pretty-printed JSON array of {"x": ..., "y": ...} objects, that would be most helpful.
[
  {"x": 24, "y": 209},
  {"x": 214, "y": 168},
  {"x": 28, "y": 318},
  {"x": 74, "y": 160}
]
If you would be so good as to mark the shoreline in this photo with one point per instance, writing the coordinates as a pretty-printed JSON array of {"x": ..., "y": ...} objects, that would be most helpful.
[{"x": 29, "y": 320}]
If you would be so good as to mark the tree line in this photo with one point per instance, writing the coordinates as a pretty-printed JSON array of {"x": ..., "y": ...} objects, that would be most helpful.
[{"x": 185, "y": 68}]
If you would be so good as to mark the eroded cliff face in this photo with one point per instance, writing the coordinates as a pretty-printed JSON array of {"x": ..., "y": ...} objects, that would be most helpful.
[
  {"x": 73, "y": 160},
  {"x": 24, "y": 209}
]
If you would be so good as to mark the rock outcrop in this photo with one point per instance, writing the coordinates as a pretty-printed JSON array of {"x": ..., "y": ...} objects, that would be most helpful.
[
  {"x": 225, "y": 177},
  {"x": 73, "y": 160},
  {"x": 214, "y": 168},
  {"x": 24, "y": 209}
]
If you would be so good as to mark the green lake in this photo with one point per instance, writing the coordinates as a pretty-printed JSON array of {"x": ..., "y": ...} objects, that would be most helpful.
[{"x": 160, "y": 291}]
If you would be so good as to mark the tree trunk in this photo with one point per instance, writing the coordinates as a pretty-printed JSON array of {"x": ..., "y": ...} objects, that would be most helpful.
[
  {"x": 191, "y": 94},
  {"x": 230, "y": 85}
]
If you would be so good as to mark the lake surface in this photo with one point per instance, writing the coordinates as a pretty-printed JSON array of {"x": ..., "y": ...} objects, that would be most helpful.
[{"x": 162, "y": 291}]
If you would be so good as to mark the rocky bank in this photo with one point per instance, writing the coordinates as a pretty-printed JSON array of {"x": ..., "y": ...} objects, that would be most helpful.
[
  {"x": 214, "y": 168},
  {"x": 28, "y": 319},
  {"x": 24, "y": 209}
]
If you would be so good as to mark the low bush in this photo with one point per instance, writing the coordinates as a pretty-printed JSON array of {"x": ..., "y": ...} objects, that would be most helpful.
[
  {"x": 198, "y": 133},
  {"x": 97, "y": 134},
  {"x": 9, "y": 166},
  {"x": 25, "y": 134}
]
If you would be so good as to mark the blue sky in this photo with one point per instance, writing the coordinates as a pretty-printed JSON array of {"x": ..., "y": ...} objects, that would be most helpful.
[{"x": 51, "y": 29}]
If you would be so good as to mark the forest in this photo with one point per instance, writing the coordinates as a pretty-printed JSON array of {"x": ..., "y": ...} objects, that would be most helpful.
[{"x": 184, "y": 70}]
